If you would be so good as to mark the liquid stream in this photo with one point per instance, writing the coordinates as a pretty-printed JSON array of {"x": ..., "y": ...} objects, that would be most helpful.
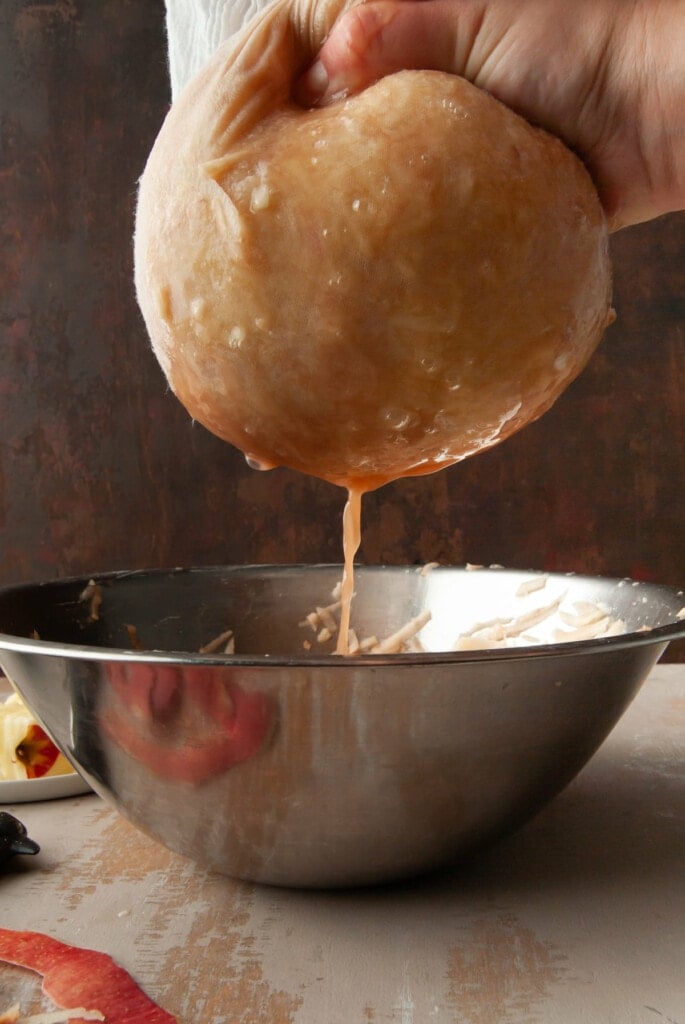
[{"x": 351, "y": 542}]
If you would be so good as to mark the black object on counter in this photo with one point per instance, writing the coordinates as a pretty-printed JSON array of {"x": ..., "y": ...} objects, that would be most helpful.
[{"x": 14, "y": 838}]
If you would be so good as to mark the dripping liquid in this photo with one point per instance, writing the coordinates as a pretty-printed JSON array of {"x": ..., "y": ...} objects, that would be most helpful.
[{"x": 351, "y": 542}]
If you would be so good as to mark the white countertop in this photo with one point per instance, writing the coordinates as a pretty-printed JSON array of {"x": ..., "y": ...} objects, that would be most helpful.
[{"x": 579, "y": 917}]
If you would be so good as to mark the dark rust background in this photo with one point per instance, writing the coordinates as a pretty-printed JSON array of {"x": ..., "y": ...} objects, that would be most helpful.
[{"x": 100, "y": 468}]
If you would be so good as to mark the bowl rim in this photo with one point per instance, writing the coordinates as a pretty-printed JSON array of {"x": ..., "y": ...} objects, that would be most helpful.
[{"x": 51, "y": 648}]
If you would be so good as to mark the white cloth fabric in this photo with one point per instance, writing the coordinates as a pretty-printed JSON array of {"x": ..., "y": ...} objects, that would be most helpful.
[{"x": 195, "y": 28}]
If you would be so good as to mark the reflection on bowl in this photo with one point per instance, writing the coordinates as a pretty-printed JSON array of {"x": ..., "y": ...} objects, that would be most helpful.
[
  {"x": 184, "y": 725},
  {"x": 289, "y": 765}
]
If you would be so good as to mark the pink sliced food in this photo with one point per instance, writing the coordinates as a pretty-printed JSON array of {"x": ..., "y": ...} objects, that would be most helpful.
[{"x": 75, "y": 977}]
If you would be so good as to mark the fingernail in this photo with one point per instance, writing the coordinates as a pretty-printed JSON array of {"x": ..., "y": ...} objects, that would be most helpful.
[{"x": 314, "y": 83}]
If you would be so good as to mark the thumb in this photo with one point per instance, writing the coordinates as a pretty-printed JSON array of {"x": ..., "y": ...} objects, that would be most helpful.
[{"x": 383, "y": 36}]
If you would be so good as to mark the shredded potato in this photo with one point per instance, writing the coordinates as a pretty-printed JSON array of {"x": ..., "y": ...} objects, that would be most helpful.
[
  {"x": 402, "y": 641},
  {"x": 530, "y": 586},
  {"x": 133, "y": 637},
  {"x": 225, "y": 640},
  {"x": 327, "y": 619},
  {"x": 500, "y": 630},
  {"x": 585, "y": 621},
  {"x": 398, "y": 640},
  {"x": 92, "y": 592}
]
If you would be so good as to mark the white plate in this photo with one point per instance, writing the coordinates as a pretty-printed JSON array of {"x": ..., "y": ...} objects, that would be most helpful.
[{"x": 24, "y": 791}]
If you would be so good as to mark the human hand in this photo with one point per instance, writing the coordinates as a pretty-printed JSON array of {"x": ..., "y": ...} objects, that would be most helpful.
[{"x": 606, "y": 76}]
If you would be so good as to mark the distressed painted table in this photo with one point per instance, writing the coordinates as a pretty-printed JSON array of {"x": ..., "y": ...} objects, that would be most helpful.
[{"x": 579, "y": 917}]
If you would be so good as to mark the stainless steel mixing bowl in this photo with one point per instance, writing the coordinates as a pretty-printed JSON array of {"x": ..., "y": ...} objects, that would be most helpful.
[{"x": 302, "y": 768}]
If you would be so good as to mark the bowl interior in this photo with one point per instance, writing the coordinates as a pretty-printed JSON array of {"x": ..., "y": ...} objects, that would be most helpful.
[{"x": 266, "y": 607}]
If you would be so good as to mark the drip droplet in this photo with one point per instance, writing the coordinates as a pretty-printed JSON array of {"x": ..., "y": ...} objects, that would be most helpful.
[{"x": 259, "y": 464}]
